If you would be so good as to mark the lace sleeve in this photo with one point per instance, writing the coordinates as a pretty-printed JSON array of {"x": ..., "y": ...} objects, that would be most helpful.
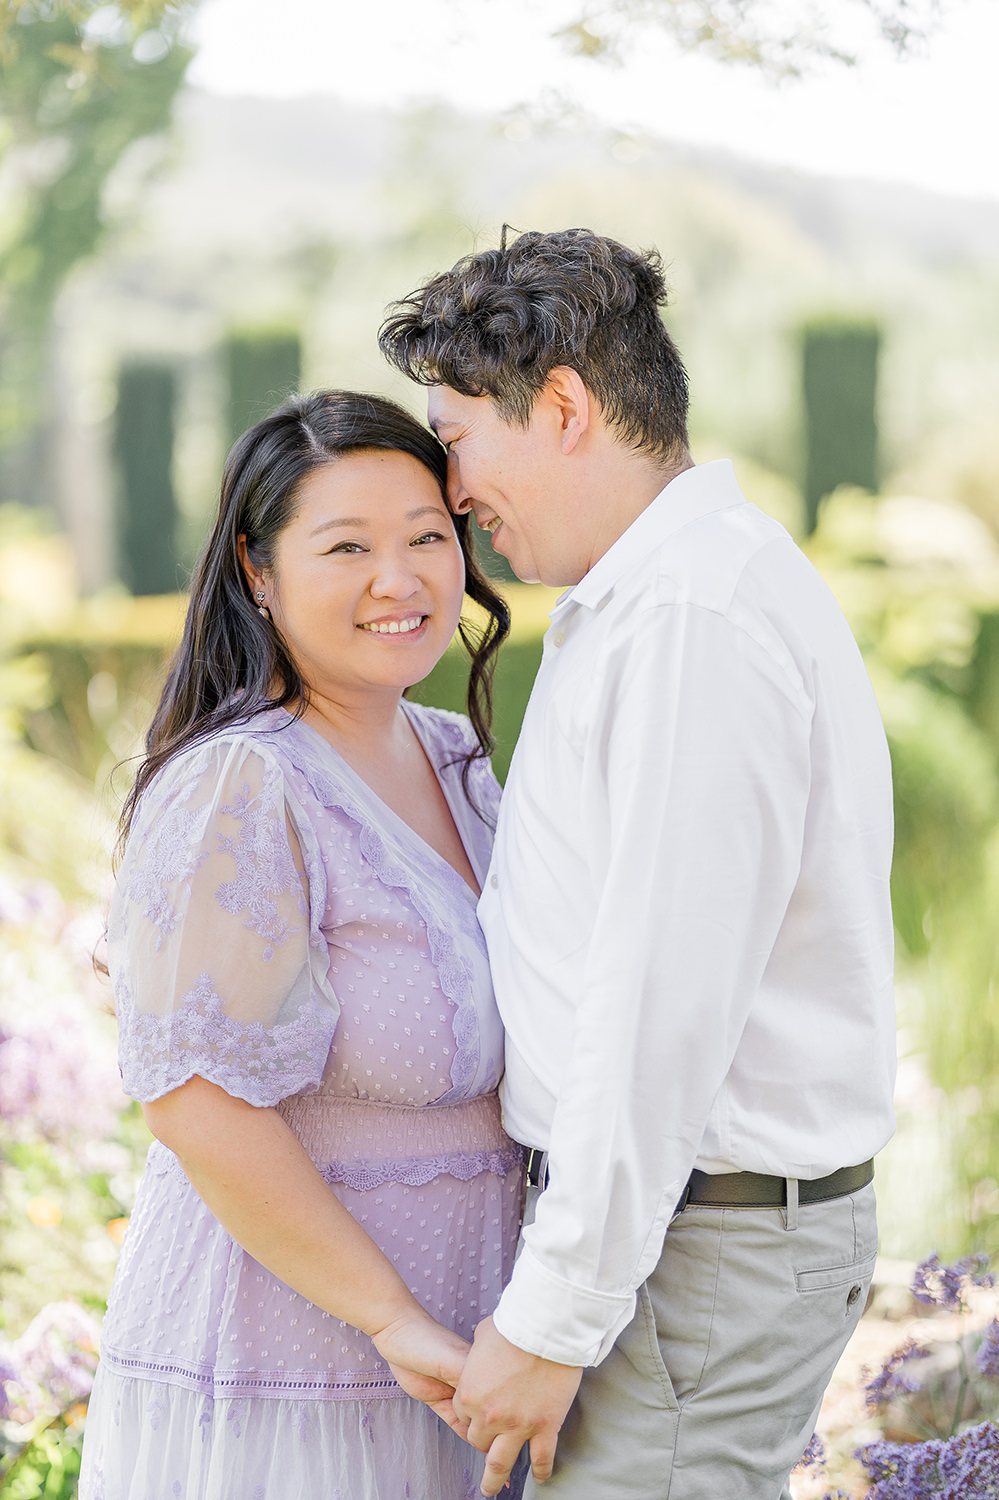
[{"x": 218, "y": 963}]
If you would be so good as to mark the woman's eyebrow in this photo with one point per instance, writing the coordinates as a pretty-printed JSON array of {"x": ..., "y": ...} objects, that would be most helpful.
[{"x": 411, "y": 515}]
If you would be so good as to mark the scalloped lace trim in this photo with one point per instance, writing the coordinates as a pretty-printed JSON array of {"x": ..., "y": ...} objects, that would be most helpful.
[
  {"x": 417, "y": 1171},
  {"x": 253, "y": 1062},
  {"x": 362, "y": 1176}
]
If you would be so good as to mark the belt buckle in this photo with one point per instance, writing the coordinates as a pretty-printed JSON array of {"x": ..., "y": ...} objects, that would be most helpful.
[{"x": 537, "y": 1168}]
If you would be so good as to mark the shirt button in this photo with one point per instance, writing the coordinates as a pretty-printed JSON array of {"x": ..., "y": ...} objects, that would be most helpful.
[
  {"x": 559, "y": 638},
  {"x": 494, "y": 881}
]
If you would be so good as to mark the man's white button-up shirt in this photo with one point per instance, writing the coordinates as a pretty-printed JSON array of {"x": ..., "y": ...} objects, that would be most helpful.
[{"x": 688, "y": 910}]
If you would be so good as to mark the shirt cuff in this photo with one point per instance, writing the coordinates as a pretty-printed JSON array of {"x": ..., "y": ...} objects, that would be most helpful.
[{"x": 545, "y": 1315}]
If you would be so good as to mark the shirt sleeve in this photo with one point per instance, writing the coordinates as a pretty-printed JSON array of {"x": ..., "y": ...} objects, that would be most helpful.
[
  {"x": 696, "y": 774},
  {"x": 218, "y": 964}
]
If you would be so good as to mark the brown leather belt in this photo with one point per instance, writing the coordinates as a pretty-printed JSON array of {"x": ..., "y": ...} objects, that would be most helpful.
[
  {"x": 740, "y": 1189},
  {"x": 755, "y": 1190}
]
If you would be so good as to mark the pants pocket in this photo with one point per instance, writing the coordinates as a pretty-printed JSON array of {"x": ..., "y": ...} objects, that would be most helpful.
[
  {"x": 829, "y": 1278},
  {"x": 639, "y": 1343}
]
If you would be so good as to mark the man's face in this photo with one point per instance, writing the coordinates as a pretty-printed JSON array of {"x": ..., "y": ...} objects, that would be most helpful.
[{"x": 510, "y": 478}]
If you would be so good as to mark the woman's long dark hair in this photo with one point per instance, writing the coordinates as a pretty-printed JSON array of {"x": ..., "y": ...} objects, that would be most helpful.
[{"x": 231, "y": 662}]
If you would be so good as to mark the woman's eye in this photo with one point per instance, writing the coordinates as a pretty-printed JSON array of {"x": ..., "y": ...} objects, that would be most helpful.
[
  {"x": 428, "y": 536},
  {"x": 347, "y": 547}
]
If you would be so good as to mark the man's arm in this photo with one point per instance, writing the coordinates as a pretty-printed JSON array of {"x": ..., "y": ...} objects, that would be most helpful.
[{"x": 695, "y": 784}]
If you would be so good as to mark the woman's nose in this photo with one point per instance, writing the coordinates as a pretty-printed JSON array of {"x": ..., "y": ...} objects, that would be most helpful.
[{"x": 396, "y": 580}]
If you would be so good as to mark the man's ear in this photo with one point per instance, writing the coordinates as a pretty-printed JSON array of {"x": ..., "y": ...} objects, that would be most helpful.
[{"x": 565, "y": 388}]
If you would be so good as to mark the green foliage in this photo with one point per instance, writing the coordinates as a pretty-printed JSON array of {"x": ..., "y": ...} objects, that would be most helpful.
[
  {"x": 919, "y": 619},
  {"x": 983, "y": 684},
  {"x": 49, "y": 1466},
  {"x": 946, "y": 806},
  {"x": 839, "y": 384},
  {"x": 49, "y": 827},
  {"x": 782, "y": 42},
  {"x": 262, "y": 366},
  {"x": 81, "y": 83},
  {"x": 147, "y": 506},
  {"x": 99, "y": 697}
]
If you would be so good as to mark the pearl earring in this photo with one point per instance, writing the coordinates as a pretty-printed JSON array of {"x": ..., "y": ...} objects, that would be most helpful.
[{"x": 260, "y": 596}]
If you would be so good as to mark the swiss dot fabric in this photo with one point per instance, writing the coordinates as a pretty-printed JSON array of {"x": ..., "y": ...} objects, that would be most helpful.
[{"x": 278, "y": 930}]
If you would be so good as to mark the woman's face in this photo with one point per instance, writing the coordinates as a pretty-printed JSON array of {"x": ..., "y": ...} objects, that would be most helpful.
[{"x": 368, "y": 578}]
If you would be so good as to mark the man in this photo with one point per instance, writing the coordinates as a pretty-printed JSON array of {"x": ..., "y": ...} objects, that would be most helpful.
[{"x": 687, "y": 910}]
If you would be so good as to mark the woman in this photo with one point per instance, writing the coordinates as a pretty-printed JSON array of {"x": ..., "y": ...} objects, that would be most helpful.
[{"x": 330, "y": 1205}]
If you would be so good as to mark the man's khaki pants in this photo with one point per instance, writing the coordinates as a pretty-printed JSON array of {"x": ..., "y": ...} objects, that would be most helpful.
[{"x": 713, "y": 1389}]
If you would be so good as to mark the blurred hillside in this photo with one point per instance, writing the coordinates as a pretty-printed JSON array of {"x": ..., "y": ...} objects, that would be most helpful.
[{"x": 310, "y": 215}]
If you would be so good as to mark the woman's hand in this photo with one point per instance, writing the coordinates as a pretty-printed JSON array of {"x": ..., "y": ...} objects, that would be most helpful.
[{"x": 426, "y": 1359}]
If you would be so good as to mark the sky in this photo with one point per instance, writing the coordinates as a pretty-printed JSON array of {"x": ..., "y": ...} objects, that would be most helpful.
[{"x": 929, "y": 120}]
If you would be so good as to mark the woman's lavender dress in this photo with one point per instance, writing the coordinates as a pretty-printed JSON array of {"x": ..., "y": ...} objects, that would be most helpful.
[{"x": 278, "y": 930}]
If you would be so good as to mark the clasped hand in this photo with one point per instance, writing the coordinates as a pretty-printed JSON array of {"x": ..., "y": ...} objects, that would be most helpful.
[
  {"x": 506, "y": 1398},
  {"x": 493, "y": 1394},
  {"x": 426, "y": 1359}
]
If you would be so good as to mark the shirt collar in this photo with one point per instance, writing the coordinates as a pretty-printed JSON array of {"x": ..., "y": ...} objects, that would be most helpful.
[{"x": 696, "y": 492}]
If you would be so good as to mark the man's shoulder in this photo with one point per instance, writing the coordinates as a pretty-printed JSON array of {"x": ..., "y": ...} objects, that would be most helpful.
[
  {"x": 720, "y": 556},
  {"x": 741, "y": 566}
]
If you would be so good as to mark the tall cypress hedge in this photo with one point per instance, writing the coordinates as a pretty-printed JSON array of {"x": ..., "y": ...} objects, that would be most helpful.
[
  {"x": 983, "y": 684},
  {"x": 262, "y": 368},
  {"x": 146, "y": 519},
  {"x": 840, "y": 384}
]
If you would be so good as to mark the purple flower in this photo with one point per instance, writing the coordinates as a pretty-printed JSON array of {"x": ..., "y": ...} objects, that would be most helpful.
[
  {"x": 58, "y": 1076},
  {"x": 965, "y": 1467},
  {"x": 987, "y": 1357},
  {"x": 947, "y": 1286},
  {"x": 8, "y": 1372},
  {"x": 893, "y": 1380},
  {"x": 814, "y": 1455},
  {"x": 56, "y": 1358}
]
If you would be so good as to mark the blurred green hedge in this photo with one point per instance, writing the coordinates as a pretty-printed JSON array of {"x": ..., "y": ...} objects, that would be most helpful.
[{"x": 102, "y": 668}]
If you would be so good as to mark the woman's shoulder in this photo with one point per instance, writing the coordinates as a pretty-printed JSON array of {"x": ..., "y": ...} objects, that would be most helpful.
[
  {"x": 221, "y": 747},
  {"x": 452, "y": 732},
  {"x": 452, "y": 739},
  {"x": 237, "y": 760}
]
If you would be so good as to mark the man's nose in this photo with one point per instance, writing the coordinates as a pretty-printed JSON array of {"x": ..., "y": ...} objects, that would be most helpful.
[{"x": 459, "y": 499}]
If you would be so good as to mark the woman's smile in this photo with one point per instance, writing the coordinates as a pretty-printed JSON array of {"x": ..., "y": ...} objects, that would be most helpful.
[{"x": 408, "y": 625}]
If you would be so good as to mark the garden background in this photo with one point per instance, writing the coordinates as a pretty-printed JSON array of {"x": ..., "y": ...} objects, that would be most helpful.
[{"x": 173, "y": 261}]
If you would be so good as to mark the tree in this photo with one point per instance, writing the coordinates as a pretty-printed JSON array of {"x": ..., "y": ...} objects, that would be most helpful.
[
  {"x": 81, "y": 82},
  {"x": 783, "y": 38},
  {"x": 147, "y": 506},
  {"x": 840, "y": 388},
  {"x": 263, "y": 367}
]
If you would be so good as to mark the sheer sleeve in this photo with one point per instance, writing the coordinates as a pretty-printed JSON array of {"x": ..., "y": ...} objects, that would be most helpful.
[{"x": 219, "y": 965}]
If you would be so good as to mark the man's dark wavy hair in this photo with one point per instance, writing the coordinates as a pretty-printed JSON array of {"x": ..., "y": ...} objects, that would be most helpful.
[{"x": 500, "y": 322}]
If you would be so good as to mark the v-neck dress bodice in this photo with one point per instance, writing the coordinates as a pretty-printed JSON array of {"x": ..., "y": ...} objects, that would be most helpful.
[{"x": 280, "y": 931}]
